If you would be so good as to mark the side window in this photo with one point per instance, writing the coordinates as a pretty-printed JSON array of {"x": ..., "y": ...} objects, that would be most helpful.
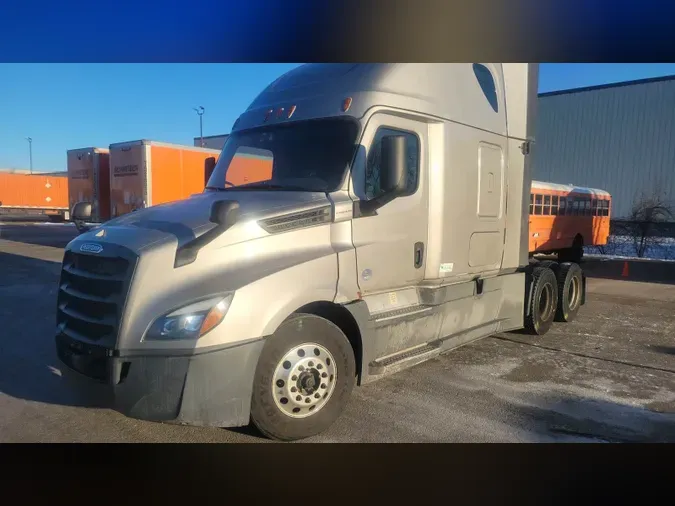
[
  {"x": 373, "y": 165},
  {"x": 563, "y": 206},
  {"x": 487, "y": 84},
  {"x": 575, "y": 207},
  {"x": 537, "y": 204},
  {"x": 554, "y": 205},
  {"x": 531, "y": 203},
  {"x": 547, "y": 205}
]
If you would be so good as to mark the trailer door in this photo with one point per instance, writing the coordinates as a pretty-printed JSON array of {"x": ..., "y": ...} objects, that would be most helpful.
[{"x": 127, "y": 182}]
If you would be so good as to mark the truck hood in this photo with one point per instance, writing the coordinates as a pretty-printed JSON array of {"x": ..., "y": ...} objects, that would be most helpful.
[{"x": 190, "y": 218}]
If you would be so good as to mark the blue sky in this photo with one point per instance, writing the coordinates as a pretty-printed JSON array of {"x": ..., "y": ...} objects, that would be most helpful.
[{"x": 65, "y": 106}]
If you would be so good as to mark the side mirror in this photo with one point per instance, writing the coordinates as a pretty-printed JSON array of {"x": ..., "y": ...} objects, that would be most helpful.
[
  {"x": 393, "y": 165},
  {"x": 225, "y": 213},
  {"x": 209, "y": 165},
  {"x": 81, "y": 211}
]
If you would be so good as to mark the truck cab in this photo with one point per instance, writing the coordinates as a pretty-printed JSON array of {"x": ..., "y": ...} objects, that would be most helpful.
[{"x": 384, "y": 222}]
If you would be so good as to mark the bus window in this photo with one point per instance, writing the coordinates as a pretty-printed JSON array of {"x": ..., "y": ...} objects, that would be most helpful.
[
  {"x": 575, "y": 207},
  {"x": 594, "y": 207},
  {"x": 547, "y": 205},
  {"x": 587, "y": 211},
  {"x": 554, "y": 205},
  {"x": 562, "y": 207},
  {"x": 537, "y": 204},
  {"x": 605, "y": 207},
  {"x": 531, "y": 204}
]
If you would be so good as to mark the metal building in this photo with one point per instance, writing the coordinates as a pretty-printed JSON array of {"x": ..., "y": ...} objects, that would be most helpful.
[
  {"x": 618, "y": 137},
  {"x": 212, "y": 141}
]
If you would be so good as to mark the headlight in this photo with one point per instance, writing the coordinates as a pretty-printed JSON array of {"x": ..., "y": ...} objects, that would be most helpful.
[{"x": 192, "y": 321}]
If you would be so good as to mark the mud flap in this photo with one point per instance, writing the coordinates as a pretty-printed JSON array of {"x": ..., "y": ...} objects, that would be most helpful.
[
  {"x": 583, "y": 288},
  {"x": 529, "y": 283}
]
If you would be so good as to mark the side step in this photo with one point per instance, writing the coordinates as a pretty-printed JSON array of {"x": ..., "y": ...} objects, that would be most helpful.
[{"x": 403, "y": 360}]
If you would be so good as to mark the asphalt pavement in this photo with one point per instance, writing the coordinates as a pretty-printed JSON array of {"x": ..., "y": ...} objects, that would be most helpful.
[{"x": 608, "y": 377}]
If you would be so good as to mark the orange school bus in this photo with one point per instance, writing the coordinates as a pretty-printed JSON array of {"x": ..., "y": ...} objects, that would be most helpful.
[{"x": 565, "y": 218}]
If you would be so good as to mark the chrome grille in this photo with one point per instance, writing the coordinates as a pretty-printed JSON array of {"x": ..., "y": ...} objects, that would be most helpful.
[{"x": 91, "y": 296}]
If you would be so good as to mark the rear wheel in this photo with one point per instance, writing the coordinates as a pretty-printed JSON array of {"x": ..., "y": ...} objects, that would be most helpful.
[
  {"x": 570, "y": 292},
  {"x": 304, "y": 378},
  {"x": 543, "y": 301}
]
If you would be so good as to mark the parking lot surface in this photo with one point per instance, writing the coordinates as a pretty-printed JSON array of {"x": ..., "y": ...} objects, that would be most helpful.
[{"x": 609, "y": 376}]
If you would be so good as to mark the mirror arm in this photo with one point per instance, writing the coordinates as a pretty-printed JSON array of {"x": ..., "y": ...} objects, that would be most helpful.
[{"x": 364, "y": 208}]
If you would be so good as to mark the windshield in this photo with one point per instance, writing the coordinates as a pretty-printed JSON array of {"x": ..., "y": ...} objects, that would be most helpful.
[{"x": 309, "y": 155}]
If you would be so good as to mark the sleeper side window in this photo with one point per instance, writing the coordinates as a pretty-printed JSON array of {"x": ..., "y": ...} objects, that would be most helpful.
[{"x": 487, "y": 84}]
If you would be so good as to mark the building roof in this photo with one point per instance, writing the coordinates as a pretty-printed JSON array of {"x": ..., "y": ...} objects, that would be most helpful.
[{"x": 609, "y": 85}]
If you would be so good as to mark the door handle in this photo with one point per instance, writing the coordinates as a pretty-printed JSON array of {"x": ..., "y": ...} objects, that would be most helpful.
[{"x": 419, "y": 254}]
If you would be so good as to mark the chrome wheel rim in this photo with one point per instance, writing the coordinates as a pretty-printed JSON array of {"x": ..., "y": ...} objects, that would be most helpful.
[{"x": 304, "y": 380}]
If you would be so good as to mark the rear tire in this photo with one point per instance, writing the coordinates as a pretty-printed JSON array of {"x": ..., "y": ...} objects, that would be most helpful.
[
  {"x": 570, "y": 292},
  {"x": 549, "y": 264},
  {"x": 304, "y": 378},
  {"x": 543, "y": 301}
]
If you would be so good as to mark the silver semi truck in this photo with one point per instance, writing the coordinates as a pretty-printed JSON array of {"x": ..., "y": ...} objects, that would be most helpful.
[{"x": 387, "y": 224}]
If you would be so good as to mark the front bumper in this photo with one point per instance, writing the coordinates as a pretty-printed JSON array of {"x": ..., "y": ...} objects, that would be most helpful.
[{"x": 211, "y": 388}]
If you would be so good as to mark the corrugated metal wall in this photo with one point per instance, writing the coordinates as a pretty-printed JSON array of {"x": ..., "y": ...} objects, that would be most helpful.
[
  {"x": 620, "y": 139},
  {"x": 212, "y": 141}
]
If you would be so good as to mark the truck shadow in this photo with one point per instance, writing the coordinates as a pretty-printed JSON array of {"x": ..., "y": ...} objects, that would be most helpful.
[
  {"x": 575, "y": 419},
  {"x": 29, "y": 367},
  {"x": 646, "y": 271},
  {"x": 56, "y": 235}
]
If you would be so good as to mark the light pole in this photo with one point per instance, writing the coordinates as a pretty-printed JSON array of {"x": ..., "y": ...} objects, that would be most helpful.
[
  {"x": 200, "y": 113},
  {"x": 30, "y": 152}
]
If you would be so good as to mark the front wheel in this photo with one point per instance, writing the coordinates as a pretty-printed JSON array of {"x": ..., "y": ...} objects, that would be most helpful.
[{"x": 304, "y": 378}]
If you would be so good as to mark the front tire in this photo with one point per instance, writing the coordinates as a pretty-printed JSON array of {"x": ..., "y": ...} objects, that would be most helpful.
[{"x": 304, "y": 378}]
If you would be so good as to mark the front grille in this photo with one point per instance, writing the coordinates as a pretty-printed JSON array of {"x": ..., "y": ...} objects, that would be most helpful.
[{"x": 91, "y": 296}]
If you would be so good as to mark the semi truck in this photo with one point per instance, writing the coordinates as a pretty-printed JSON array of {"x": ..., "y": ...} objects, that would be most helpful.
[
  {"x": 393, "y": 228},
  {"x": 146, "y": 173},
  {"x": 34, "y": 194},
  {"x": 89, "y": 182}
]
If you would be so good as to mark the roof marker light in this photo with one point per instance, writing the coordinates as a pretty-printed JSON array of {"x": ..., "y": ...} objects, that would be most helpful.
[
  {"x": 291, "y": 110},
  {"x": 269, "y": 113},
  {"x": 346, "y": 104},
  {"x": 280, "y": 112}
]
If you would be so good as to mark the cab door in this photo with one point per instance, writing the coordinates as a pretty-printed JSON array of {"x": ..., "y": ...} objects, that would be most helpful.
[{"x": 391, "y": 244}]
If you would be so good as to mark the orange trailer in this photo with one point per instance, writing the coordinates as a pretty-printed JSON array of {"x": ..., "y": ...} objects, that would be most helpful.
[
  {"x": 89, "y": 180},
  {"x": 32, "y": 194},
  {"x": 565, "y": 218},
  {"x": 147, "y": 173}
]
